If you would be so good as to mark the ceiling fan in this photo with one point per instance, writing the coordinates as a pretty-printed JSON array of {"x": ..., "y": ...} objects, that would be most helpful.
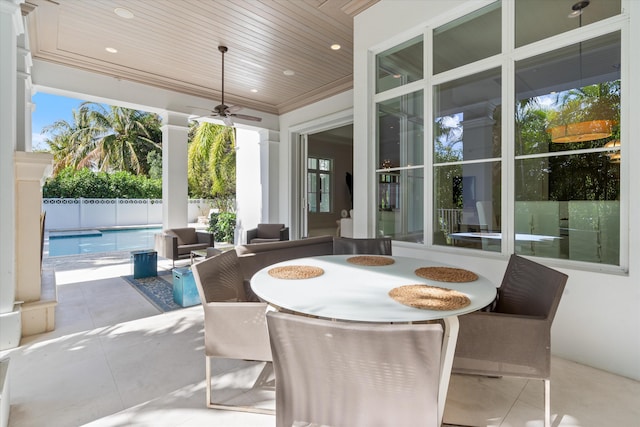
[{"x": 225, "y": 112}]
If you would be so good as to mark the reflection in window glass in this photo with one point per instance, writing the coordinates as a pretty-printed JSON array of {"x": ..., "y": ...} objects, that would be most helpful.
[
  {"x": 577, "y": 108},
  {"x": 401, "y": 204},
  {"x": 467, "y": 121},
  {"x": 401, "y": 131},
  {"x": 468, "y": 39},
  {"x": 467, "y": 205},
  {"x": 400, "y": 65},
  {"x": 537, "y": 20},
  {"x": 568, "y": 207},
  {"x": 466, "y": 176},
  {"x": 567, "y": 201}
]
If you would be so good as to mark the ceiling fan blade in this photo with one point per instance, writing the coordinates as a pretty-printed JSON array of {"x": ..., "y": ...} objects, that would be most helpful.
[
  {"x": 245, "y": 117},
  {"x": 227, "y": 121}
]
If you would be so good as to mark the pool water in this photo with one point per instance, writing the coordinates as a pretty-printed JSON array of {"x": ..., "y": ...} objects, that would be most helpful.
[{"x": 93, "y": 241}]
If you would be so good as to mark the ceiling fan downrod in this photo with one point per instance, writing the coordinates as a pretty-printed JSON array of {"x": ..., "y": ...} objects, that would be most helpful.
[{"x": 223, "y": 50}]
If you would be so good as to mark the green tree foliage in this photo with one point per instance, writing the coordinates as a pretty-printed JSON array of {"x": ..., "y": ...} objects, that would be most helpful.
[
  {"x": 212, "y": 161},
  {"x": 154, "y": 160},
  {"x": 127, "y": 136},
  {"x": 108, "y": 139},
  {"x": 567, "y": 177},
  {"x": 71, "y": 183},
  {"x": 71, "y": 143},
  {"x": 222, "y": 225}
]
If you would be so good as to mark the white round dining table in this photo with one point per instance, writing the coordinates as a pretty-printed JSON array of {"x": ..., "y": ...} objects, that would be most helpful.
[
  {"x": 346, "y": 291},
  {"x": 358, "y": 293}
]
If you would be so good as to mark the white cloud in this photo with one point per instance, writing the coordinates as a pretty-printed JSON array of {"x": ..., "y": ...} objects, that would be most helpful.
[{"x": 38, "y": 142}]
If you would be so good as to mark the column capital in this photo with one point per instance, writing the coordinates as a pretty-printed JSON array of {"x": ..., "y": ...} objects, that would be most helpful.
[
  {"x": 12, "y": 7},
  {"x": 175, "y": 120}
]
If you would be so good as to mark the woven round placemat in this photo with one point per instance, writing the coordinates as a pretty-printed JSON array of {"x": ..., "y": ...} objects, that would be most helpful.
[
  {"x": 446, "y": 274},
  {"x": 296, "y": 272},
  {"x": 371, "y": 261},
  {"x": 429, "y": 297}
]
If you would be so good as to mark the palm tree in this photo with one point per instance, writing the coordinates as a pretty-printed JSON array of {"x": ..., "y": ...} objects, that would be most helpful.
[
  {"x": 72, "y": 143},
  {"x": 127, "y": 138},
  {"x": 212, "y": 161},
  {"x": 110, "y": 139}
]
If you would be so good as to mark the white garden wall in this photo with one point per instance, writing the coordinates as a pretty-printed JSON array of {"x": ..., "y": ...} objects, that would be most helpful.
[{"x": 71, "y": 214}]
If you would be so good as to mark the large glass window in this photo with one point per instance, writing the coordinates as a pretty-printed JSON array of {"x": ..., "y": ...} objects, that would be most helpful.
[
  {"x": 400, "y": 167},
  {"x": 467, "y": 39},
  {"x": 400, "y": 65},
  {"x": 563, "y": 152},
  {"x": 467, "y": 170},
  {"x": 567, "y": 146},
  {"x": 401, "y": 204},
  {"x": 537, "y": 20}
]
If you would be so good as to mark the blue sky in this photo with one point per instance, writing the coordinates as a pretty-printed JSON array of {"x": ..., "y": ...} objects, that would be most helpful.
[{"x": 49, "y": 109}]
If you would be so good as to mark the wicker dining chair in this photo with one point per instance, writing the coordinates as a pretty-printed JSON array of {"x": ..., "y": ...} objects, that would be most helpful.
[
  {"x": 233, "y": 327},
  {"x": 354, "y": 374},
  {"x": 514, "y": 338},
  {"x": 347, "y": 245}
]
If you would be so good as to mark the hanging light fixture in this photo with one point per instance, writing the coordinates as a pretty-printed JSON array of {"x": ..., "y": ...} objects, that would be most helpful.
[
  {"x": 614, "y": 156},
  {"x": 582, "y": 131}
]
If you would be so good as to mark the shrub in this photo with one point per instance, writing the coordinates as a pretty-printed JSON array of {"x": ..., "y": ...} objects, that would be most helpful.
[
  {"x": 223, "y": 226},
  {"x": 73, "y": 184}
]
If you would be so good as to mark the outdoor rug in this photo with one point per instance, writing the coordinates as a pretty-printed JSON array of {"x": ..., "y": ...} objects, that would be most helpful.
[{"x": 158, "y": 290}]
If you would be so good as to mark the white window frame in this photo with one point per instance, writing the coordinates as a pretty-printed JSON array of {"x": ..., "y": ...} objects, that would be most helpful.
[{"x": 506, "y": 61}]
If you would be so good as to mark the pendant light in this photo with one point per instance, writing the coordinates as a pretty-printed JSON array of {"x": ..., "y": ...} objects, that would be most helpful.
[{"x": 581, "y": 131}]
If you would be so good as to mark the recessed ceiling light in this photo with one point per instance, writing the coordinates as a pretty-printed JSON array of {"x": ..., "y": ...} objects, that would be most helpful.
[
  {"x": 397, "y": 76},
  {"x": 289, "y": 72},
  {"x": 254, "y": 90},
  {"x": 123, "y": 13},
  {"x": 335, "y": 46},
  {"x": 111, "y": 49}
]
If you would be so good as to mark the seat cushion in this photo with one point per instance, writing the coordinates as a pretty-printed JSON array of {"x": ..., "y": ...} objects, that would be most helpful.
[
  {"x": 186, "y": 236},
  {"x": 269, "y": 231},
  {"x": 262, "y": 240},
  {"x": 186, "y": 249}
]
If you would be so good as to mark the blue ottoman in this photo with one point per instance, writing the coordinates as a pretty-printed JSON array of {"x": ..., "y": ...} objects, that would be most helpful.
[
  {"x": 185, "y": 292},
  {"x": 145, "y": 263}
]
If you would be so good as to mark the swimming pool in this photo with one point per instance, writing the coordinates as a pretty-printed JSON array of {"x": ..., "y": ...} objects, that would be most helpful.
[{"x": 93, "y": 241}]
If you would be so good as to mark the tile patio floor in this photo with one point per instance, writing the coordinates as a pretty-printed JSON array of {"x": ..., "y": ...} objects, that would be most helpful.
[{"x": 115, "y": 360}]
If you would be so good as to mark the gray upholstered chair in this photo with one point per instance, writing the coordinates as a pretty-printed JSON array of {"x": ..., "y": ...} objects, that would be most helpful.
[
  {"x": 514, "y": 337},
  {"x": 177, "y": 243},
  {"x": 354, "y": 374},
  {"x": 233, "y": 327},
  {"x": 346, "y": 245},
  {"x": 268, "y": 233}
]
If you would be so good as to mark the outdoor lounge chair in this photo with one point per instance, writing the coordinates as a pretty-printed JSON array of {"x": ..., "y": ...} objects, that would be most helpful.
[
  {"x": 177, "y": 243},
  {"x": 268, "y": 233},
  {"x": 514, "y": 338}
]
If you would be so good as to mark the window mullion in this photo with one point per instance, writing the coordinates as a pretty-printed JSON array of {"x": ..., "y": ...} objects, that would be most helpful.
[
  {"x": 428, "y": 139},
  {"x": 508, "y": 128}
]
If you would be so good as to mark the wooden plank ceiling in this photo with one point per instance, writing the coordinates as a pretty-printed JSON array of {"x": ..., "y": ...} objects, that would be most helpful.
[{"x": 174, "y": 45}]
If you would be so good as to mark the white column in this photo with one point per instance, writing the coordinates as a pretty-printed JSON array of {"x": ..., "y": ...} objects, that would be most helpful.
[
  {"x": 270, "y": 175},
  {"x": 24, "y": 106},
  {"x": 31, "y": 171},
  {"x": 248, "y": 181},
  {"x": 11, "y": 26},
  {"x": 174, "y": 170}
]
